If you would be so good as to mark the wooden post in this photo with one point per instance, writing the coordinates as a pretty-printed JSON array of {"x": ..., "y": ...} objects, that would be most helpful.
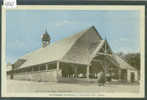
[
  {"x": 136, "y": 76},
  {"x": 39, "y": 68},
  {"x": 58, "y": 68},
  {"x": 46, "y": 67},
  {"x": 32, "y": 69},
  {"x": 128, "y": 76},
  {"x": 88, "y": 72},
  {"x": 119, "y": 74},
  {"x": 76, "y": 74}
]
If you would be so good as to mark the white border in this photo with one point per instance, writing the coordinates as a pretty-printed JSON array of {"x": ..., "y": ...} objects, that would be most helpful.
[{"x": 81, "y": 7}]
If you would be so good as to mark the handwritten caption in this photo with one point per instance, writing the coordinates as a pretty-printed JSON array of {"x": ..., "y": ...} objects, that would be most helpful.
[{"x": 10, "y": 3}]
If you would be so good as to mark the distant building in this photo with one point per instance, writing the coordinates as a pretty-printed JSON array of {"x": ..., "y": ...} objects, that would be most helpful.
[
  {"x": 9, "y": 66},
  {"x": 81, "y": 56}
]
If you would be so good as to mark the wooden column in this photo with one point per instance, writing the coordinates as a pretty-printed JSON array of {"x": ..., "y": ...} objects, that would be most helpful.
[
  {"x": 39, "y": 68},
  {"x": 119, "y": 74},
  {"x": 128, "y": 75},
  {"x": 32, "y": 69},
  {"x": 136, "y": 76},
  {"x": 87, "y": 73},
  {"x": 46, "y": 67},
  {"x": 58, "y": 68},
  {"x": 75, "y": 72}
]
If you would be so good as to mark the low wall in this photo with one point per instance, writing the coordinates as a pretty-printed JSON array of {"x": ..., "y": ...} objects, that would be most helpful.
[{"x": 41, "y": 76}]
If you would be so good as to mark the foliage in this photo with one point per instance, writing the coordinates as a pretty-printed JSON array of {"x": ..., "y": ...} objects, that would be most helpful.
[{"x": 131, "y": 58}]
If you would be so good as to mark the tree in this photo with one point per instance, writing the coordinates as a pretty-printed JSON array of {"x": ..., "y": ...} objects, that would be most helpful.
[{"x": 133, "y": 59}]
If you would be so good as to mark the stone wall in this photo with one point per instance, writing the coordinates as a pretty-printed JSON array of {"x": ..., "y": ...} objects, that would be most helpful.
[{"x": 41, "y": 76}]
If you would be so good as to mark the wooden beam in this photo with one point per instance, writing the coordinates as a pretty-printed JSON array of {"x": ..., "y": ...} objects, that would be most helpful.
[
  {"x": 69, "y": 62},
  {"x": 97, "y": 49},
  {"x": 105, "y": 54},
  {"x": 96, "y": 60}
]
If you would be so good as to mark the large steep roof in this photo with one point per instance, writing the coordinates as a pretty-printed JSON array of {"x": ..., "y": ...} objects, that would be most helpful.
[
  {"x": 78, "y": 48},
  {"x": 53, "y": 52}
]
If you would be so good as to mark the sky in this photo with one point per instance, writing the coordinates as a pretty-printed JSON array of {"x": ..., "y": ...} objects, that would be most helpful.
[{"x": 25, "y": 27}]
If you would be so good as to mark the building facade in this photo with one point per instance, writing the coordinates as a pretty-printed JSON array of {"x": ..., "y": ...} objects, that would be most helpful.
[{"x": 81, "y": 56}]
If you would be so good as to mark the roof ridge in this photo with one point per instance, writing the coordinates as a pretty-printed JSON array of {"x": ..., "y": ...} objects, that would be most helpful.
[{"x": 83, "y": 31}]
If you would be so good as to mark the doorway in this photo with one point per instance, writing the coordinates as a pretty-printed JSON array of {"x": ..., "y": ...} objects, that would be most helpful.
[{"x": 132, "y": 77}]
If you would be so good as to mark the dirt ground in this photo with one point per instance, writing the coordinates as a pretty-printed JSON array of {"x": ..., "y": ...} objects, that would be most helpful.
[{"x": 31, "y": 86}]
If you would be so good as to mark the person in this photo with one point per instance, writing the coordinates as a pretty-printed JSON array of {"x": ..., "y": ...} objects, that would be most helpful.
[
  {"x": 108, "y": 77},
  {"x": 101, "y": 78}
]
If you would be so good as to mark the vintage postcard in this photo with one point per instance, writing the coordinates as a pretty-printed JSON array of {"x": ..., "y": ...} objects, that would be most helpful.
[{"x": 73, "y": 51}]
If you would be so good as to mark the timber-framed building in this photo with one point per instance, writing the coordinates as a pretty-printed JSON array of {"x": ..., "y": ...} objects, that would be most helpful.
[{"x": 80, "y": 56}]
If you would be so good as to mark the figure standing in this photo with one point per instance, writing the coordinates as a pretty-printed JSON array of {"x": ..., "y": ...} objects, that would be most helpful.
[{"x": 101, "y": 78}]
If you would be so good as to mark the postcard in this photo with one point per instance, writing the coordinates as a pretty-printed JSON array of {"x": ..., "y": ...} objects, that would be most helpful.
[{"x": 73, "y": 51}]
